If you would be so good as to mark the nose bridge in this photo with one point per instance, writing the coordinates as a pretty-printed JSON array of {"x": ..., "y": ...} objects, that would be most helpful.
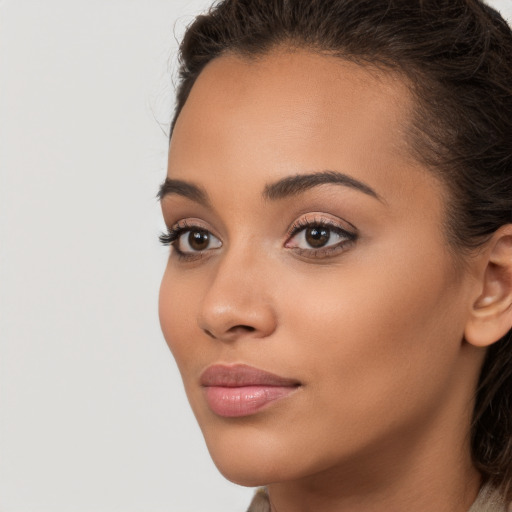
[{"x": 239, "y": 299}]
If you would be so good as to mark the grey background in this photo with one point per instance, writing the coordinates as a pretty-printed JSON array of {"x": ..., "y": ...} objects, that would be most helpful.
[{"x": 92, "y": 412}]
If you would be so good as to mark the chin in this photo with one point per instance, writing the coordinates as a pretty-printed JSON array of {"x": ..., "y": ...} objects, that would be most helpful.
[
  {"x": 247, "y": 476},
  {"x": 252, "y": 472},
  {"x": 253, "y": 457},
  {"x": 247, "y": 456}
]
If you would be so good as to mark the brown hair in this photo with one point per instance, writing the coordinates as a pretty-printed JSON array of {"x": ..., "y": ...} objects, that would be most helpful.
[{"x": 456, "y": 56}]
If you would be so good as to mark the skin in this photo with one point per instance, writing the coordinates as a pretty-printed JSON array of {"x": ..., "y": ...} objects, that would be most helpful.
[{"x": 373, "y": 329}]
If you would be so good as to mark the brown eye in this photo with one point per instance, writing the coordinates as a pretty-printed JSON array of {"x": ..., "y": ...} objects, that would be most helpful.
[
  {"x": 320, "y": 240},
  {"x": 317, "y": 236},
  {"x": 195, "y": 240},
  {"x": 198, "y": 240}
]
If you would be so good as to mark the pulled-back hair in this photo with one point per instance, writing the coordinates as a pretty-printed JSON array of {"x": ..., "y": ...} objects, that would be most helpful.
[{"x": 456, "y": 57}]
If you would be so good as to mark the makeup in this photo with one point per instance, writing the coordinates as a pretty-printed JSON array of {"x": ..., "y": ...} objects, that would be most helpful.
[{"x": 241, "y": 390}]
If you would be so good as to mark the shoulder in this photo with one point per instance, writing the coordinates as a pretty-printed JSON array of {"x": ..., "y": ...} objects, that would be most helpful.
[
  {"x": 490, "y": 500},
  {"x": 260, "y": 502}
]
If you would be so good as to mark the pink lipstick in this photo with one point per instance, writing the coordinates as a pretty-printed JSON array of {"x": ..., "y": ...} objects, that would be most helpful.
[{"x": 241, "y": 390}]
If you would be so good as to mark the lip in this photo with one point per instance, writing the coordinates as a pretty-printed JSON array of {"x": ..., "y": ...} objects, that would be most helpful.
[{"x": 242, "y": 390}]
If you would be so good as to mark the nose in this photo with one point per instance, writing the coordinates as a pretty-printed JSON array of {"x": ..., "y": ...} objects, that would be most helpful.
[{"x": 238, "y": 303}]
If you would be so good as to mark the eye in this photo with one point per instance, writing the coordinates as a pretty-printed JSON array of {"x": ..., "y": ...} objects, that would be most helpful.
[
  {"x": 319, "y": 238},
  {"x": 196, "y": 240},
  {"x": 190, "y": 241}
]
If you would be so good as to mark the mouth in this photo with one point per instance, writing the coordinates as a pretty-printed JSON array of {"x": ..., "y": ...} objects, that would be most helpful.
[{"x": 241, "y": 390}]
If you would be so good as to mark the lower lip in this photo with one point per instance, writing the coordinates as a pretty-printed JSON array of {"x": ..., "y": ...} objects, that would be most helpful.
[{"x": 234, "y": 402}]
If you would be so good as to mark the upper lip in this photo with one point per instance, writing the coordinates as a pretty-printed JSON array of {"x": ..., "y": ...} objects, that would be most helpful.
[{"x": 240, "y": 375}]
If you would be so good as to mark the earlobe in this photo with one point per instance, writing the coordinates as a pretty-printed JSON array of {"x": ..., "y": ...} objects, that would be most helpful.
[{"x": 491, "y": 312}]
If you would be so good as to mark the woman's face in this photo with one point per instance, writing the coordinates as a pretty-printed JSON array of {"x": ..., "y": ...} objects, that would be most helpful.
[{"x": 308, "y": 245}]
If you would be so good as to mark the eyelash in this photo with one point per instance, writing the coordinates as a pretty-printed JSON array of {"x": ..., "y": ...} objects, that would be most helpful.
[
  {"x": 174, "y": 233},
  {"x": 322, "y": 252}
]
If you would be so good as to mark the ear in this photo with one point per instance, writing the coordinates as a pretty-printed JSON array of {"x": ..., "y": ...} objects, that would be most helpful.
[{"x": 491, "y": 313}]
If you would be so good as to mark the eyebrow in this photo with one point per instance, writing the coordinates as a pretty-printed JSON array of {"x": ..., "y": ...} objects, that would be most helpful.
[
  {"x": 284, "y": 188},
  {"x": 295, "y": 185},
  {"x": 184, "y": 189}
]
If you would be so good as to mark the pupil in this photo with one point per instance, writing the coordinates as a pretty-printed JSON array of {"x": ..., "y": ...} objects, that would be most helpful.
[
  {"x": 317, "y": 237},
  {"x": 198, "y": 240}
]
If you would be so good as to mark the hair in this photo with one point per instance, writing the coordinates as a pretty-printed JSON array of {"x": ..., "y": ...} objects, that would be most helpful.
[{"x": 456, "y": 57}]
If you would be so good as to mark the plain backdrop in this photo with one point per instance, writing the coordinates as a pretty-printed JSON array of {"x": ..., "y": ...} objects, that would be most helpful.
[{"x": 92, "y": 412}]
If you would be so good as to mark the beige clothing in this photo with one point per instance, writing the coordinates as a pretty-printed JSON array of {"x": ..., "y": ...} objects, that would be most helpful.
[{"x": 488, "y": 500}]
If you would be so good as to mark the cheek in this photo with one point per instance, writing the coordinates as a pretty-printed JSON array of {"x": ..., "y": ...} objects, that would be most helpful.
[
  {"x": 176, "y": 306},
  {"x": 378, "y": 332}
]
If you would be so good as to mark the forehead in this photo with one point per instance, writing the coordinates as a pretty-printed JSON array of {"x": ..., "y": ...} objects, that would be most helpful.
[{"x": 252, "y": 120}]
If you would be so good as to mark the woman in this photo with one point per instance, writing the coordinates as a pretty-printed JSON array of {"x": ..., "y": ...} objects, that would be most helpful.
[{"x": 338, "y": 295}]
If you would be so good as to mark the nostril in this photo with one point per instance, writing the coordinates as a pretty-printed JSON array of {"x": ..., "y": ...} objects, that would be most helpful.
[
  {"x": 236, "y": 329},
  {"x": 246, "y": 328}
]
